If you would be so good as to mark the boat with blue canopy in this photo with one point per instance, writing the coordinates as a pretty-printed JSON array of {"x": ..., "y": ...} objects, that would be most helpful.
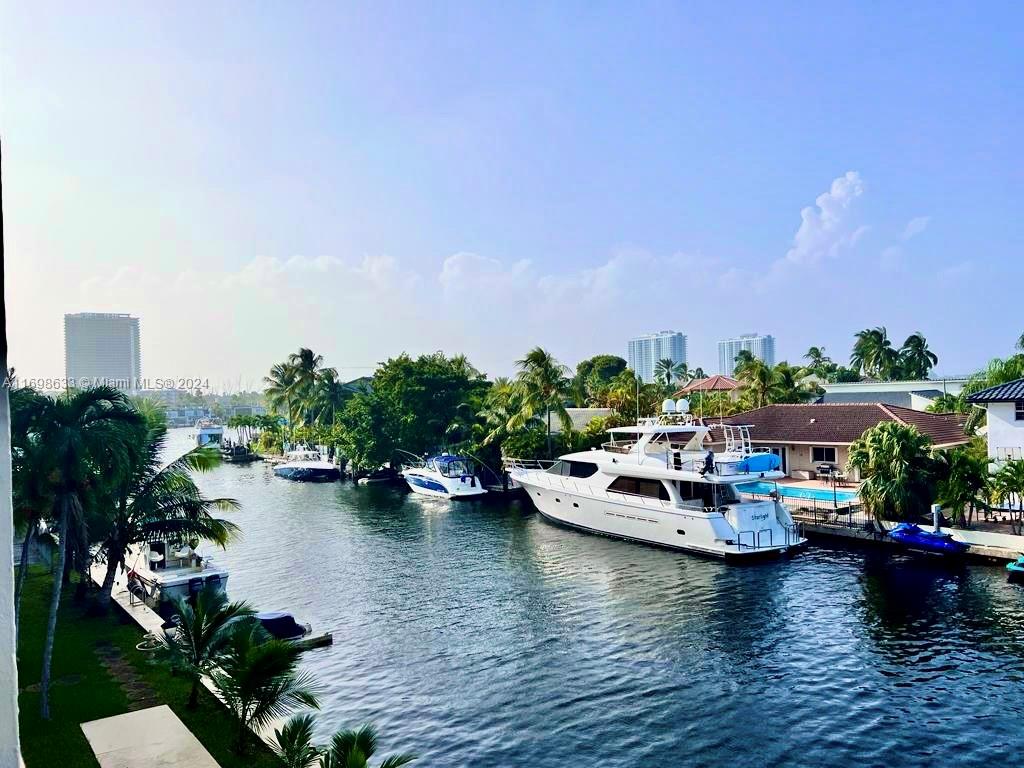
[{"x": 445, "y": 475}]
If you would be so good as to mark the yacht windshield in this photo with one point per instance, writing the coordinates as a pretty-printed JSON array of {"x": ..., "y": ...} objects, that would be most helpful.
[{"x": 455, "y": 468}]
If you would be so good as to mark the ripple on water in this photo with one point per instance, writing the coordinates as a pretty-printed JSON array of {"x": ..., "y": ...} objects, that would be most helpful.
[{"x": 477, "y": 634}]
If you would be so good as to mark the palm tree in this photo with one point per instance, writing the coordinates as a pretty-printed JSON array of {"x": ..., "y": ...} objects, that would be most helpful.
[
  {"x": 964, "y": 484},
  {"x": 90, "y": 434},
  {"x": 873, "y": 354},
  {"x": 1008, "y": 488},
  {"x": 698, "y": 373},
  {"x": 743, "y": 359},
  {"x": 205, "y": 628},
  {"x": 760, "y": 382},
  {"x": 157, "y": 500},
  {"x": 257, "y": 680},
  {"x": 543, "y": 385},
  {"x": 353, "y": 749},
  {"x": 279, "y": 391},
  {"x": 898, "y": 470},
  {"x": 329, "y": 396},
  {"x": 293, "y": 743},
  {"x": 308, "y": 367},
  {"x": 668, "y": 370},
  {"x": 816, "y": 357},
  {"x": 916, "y": 360}
]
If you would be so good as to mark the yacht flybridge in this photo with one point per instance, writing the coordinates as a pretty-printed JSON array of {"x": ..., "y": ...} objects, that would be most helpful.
[{"x": 657, "y": 482}]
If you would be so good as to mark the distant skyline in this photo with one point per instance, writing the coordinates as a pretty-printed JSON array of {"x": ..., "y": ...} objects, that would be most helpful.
[{"x": 483, "y": 178}]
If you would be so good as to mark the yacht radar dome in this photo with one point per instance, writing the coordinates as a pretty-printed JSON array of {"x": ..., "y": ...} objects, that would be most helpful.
[
  {"x": 668, "y": 406},
  {"x": 683, "y": 405}
]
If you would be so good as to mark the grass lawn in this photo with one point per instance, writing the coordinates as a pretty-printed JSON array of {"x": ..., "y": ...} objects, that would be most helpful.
[{"x": 83, "y": 689}]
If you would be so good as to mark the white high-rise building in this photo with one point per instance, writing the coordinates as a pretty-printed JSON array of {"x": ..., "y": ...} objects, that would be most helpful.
[
  {"x": 102, "y": 349},
  {"x": 644, "y": 352},
  {"x": 761, "y": 347}
]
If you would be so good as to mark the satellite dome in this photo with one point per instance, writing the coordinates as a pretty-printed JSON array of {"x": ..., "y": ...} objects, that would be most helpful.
[
  {"x": 668, "y": 406},
  {"x": 683, "y": 405}
]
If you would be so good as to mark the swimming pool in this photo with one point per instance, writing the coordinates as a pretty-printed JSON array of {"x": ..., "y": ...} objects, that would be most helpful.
[{"x": 789, "y": 492}]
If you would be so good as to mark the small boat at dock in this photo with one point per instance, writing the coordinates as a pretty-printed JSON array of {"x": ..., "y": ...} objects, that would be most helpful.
[
  {"x": 915, "y": 538},
  {"x": 208, "y": 432},
  {"x": 446, "y": 476},
  {"x": 308, "y": 466},
  {"x": 1015, "y": 571},
  {"x": 166, "y": 570}
]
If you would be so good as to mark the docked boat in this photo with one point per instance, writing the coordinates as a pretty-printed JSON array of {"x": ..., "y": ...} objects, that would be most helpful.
[
  {"x": 234, "y": 453},
  {"x": 656, "y": 482},
  {"x": 208, "y": 432},
  {"x": 1015, "y": 570},
  {"x": 382, "y": 475},
  {"x": 283, "y": 626},
  {"x": 915, "y": 538},
  {"x": 446, "y": 476},
  {"x": 307, "y": 465},
  {"x": 166, "y": 570}
]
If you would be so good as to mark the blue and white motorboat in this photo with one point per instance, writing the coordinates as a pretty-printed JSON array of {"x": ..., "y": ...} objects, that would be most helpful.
[
  {"x": 446, "y": 476},
  {"x": 307, "y": 465},
  {"x": 929, "y": 542},
  {"x": 208, "y": 432}
]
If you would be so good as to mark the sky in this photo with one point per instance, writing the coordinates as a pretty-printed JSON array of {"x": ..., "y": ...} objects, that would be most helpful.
[{"x": 483, "y": 178}]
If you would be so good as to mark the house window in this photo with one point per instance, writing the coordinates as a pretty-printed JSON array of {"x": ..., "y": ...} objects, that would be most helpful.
[
  {"x": 1018, "y": 410},
  {"x": 823, "y": 455}
]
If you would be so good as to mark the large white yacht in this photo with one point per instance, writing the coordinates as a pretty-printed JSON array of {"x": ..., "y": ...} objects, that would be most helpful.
[{"x": 657, "y": 482}]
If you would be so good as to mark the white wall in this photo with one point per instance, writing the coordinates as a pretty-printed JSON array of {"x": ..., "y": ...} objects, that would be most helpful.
[{"x": 1005, "y": 433}]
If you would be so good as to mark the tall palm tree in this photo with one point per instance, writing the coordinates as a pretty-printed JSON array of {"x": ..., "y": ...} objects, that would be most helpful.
[
  {"x": 816, "y": 357},
  {"x": 158, "y": 500},
  {"x": 668, "y": 371},
  {"x": 760, "y": 383},
  {"x": 698, "y": 373},
  {"x": 279, "y": 392},
  {"x": 1008, "y": 488},
  {"x": 205, "y": 628},
  {"x": 353, "y": 749},
  {"x": 898, "y": 469},
  {"x": 543, "y": 384},
  {"x": 308, "y": 367},
  {"x": 874, "y": 354},
  {"x": 743, "y": 359},
  {"x": 256, "y": 678},
  {"x": 329, "y": 396},
  {"x": 916, "y": 360},
  {"x": 91, "y": 434}
]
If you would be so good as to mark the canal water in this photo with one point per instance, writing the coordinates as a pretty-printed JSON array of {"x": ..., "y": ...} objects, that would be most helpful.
[{"x": 477, "y": 634}]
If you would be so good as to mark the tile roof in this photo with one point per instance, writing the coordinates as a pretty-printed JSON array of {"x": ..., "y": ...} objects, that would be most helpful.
[
  {"x": 842, "y": 423},
  {"x": 1001, "y": 393},
  {"x": 717, "y": 383}
]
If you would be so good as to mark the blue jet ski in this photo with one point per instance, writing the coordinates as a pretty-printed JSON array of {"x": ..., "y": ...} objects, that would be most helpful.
[
  {"x": 1015, "y": 570},
  {"x": 932, "y": 543}
]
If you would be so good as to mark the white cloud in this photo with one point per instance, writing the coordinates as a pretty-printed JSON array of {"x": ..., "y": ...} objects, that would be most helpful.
[
  {"x": 829, "y": 226},
  {"x": 916, "y": 226}
]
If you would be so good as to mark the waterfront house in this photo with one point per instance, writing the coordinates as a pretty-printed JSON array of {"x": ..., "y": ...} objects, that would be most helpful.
[
  {"x": 809, "y": 436},
  {"x": 916, "y": 394},
  {"x": 1004, "y": 404}
]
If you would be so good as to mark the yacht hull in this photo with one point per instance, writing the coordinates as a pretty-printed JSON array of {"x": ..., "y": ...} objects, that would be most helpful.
[
  {"x": 308, "y": 474},
  {"x": 431, "y": 484},
  {"x": 705, "y": 534}
]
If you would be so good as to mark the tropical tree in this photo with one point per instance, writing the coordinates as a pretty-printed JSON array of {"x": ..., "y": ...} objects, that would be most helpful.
[
  {"x": 759, "y": 382},
  {"x": 1008, "y": 489},
  {"x": 280, "y": 391},
  {"x": 698, "y": 373},
  {"x": 593, "y": 376},
  {"x": 293, "y": 742},
  {"x": 544, "y": 386},
  {"x": 293, "y": 745},
  {"x": 257, "y": 680},
  {"x": 915, "y": 359},
  {"x": 744, "y": 358},
  {"x": 898, "y": 469},
  {"x": 963, "y": 486},
  {"x": 90, "y": 435},
  {"x": 668, "y": 371},
  {"x": 158, "y": 500},
  {"x": 328, "y": 397},
  {"x": 205, "y": 627},
  {"x": 874, "y": 354},
  {"x": 308, "y": 368},
  {"x": 353, "y": 749}
]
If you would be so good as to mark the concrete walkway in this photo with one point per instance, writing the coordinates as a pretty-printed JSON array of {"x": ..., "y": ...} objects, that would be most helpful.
[{"x": 149, "y": 738}]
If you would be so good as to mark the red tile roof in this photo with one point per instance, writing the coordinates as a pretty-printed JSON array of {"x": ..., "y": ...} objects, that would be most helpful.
[
  {"x": 841, "y": 423},
  {"x": 710, "y": 384}
]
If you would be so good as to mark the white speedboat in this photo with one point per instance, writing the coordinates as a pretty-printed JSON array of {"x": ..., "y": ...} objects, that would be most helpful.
[
  {"x": 308, "y": 465},
  {"x": 208, "y": 432},
  {"x": 656, "y": 482},
  {"x": 445, "y": 475},
  {"x": 166, "y": 570}
]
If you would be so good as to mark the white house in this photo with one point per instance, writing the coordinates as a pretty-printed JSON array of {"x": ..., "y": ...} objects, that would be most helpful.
[{"x": 1005, "y": 406}]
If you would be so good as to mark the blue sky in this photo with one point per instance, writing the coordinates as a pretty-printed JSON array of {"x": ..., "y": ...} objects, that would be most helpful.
[{"x": 483, "y": 178}]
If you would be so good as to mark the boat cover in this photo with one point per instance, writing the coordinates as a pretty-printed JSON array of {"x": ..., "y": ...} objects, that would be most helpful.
[
  {"x": 929, "y": 541},
  {"x": 759, "y": 462},
  {"x": 281, "y": 625}
]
